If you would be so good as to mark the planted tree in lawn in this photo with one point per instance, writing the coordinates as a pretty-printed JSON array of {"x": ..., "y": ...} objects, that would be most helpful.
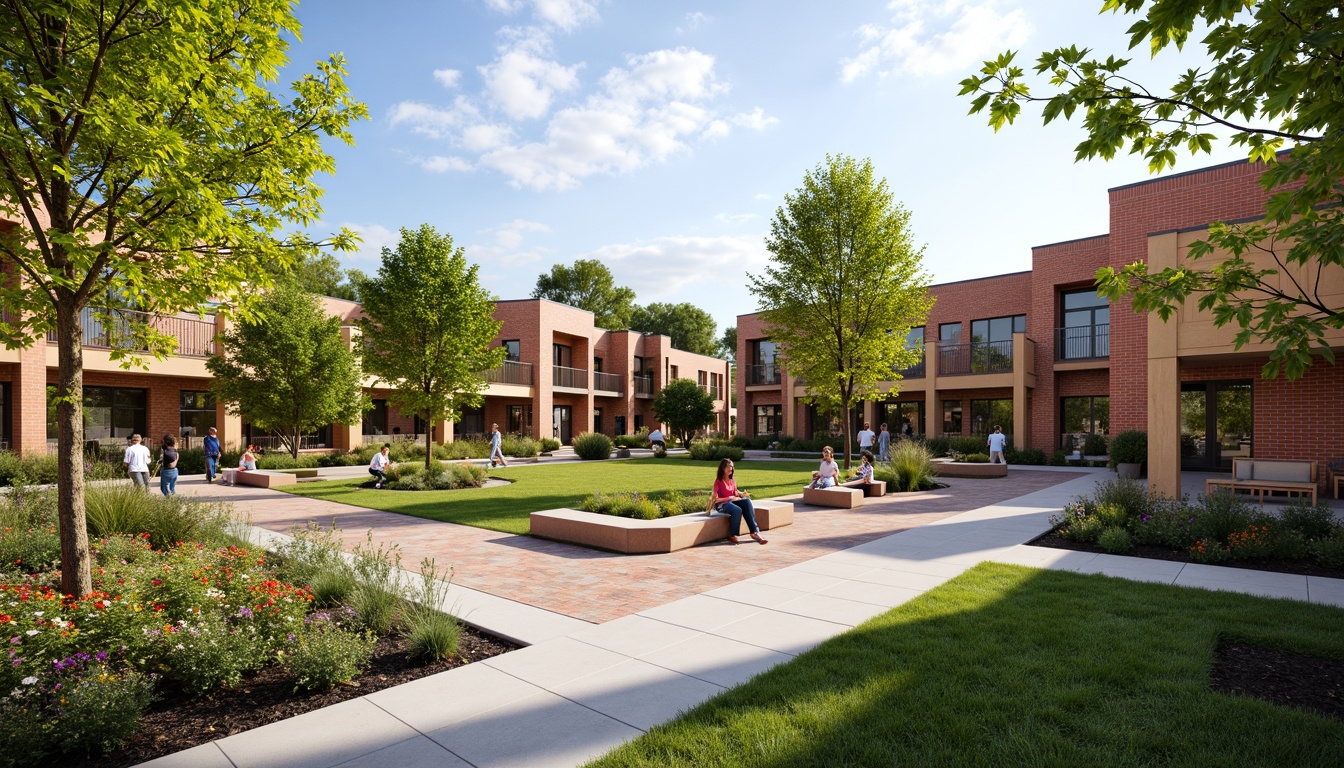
[
  {"x": 844, "y": 285},
  {"x": 588, "y": 285},
  {"x": 684, "y": 407},
  {"x": 1276, "y": 81},
  {"x": 148, "y": 164},
  {"x": 428, "y": 328},
  {"x": 287, "y": 369},
  {"x": 690, "y": 327}
]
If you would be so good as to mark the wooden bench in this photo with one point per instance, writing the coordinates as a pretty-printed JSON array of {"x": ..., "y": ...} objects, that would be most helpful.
[
  {"x": 872, "y": 489},
  {"x": 1261, "y": 476},
  {"x": 265, "y": 478},
  {"x": 642, "y": 537},
  {"x": 839, "y": 496}
]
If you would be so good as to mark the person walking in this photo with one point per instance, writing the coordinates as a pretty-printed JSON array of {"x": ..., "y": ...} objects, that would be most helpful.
[
  {"x": 137, "y": 460},
  {"x": 212, "y": 454},
  {"x": 866, "y": 438},
  {"x": 378, "y": 467},
  {"x": 496, "y": 447},
  {"x": 736, "y": 504},
  {"x": 996, "y": 441},
  {"x": 168, "y": 466},
  {"x": 884, "y": 443}
]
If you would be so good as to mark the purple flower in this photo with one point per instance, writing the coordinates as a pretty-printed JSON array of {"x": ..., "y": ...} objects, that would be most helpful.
[
  {"x": 101, "y": 656},
  {"x": 15, "y": 640},
  {"x": 245, "y": 612}
]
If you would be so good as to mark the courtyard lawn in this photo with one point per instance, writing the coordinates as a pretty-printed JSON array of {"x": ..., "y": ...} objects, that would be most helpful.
[
  {"x": 1013, "y": 666},
  {"x": 552, "y": 486}
]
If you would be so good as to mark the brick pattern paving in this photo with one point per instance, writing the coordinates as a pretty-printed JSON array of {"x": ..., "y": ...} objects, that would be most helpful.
[{"x": 600, "y": 586}]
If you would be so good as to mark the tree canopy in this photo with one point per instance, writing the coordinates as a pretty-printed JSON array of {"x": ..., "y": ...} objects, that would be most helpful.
[
  {"x": 844, "y": 285},
  {"x": 684, "y": 407},
  {"x": 691, "y": 328},
  {"x": 149, "y": 164},
  {"x": 588, "y": 285},
  {"x": 1275, "y": 83},
  {"x": 428, "y": 328},
  {"x": 321, "y": 274},
  {"x": 728, "y": 344},
  {"x": 288, "y": 370}
]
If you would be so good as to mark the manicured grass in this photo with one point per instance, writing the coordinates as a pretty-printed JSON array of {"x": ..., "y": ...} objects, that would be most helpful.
[
  {"x": 534, "y": 488},
  {"x": 1014, "y": 666}
]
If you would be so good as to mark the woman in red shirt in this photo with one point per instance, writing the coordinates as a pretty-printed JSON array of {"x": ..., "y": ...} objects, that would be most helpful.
[{"x": 735, "y": 503}]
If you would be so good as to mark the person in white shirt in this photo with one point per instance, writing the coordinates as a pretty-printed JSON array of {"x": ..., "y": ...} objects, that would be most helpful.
[
  {"x": 137, "y": 460},
  {"x": 996, "y": 441},
  {"x": 866, "y": 438},
  {"x": 828, "y": 473},
  {"x": 656, "y": 439},
  {"x": 378, "y": 467}
]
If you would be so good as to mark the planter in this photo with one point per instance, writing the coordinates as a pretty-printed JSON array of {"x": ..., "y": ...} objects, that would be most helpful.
[
  {"x": 970, "y": 469},
  {"x": 1127, "y": 471},
  {"x": 640, "y": 537},
  {"x": 622, "y": 453}
]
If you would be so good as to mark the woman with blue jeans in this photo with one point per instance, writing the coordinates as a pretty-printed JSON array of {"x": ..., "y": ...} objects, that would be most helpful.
[
  {"x": 736, "y": 504},
  {"x": 168, "y": 467}
]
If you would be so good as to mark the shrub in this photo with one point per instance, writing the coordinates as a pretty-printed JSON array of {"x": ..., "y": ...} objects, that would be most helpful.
[
  {"x": 1312, "y": 522},
  {"x": 26, "y": 470},
  {"x": 83, "y": 707},
  {"x": 1168, "y": 523},
  {"x": 967, "y": 445},
  {"x": 332, "y": 587},
  {"x": 549, "y": 444},
  {"x": 340, "y": 460},
  {"x": 592, "y": 446},
  {"x": 378, "y": 591},
  {"x": 285, "y": 461},
  {"x": 1223, "y": 513},
  {"x": 1131, "y": 496},
  {"x": 323, "y": 654},
  {"x": 1206, "y": 551},
  {"x": 468, "y": 475},
  {"x": 1094, "y": 445},
  {"x": 742, "y": 441},
  {"x": 1129, "y": 447},
  {"x": 938, "y": 446},
  {"x": 431, "y": 634},
  {"x": 910, "y": 469},
  {"x": 169, "y": 521},
  {"x": 1115, "y": 540},
  {"x": 1085, "y": 529},
  {"x": 520, "y": 446},
  {"x": 714, "y": 450},
  {"x": 29, "y": 549},
  {"x": 1028, "y": 456},
  {"x": 116, "y": 508},
  {"x": 1059, "y": 459},
  {"x": 637, "y": 440},
  {"x": 1329, "y": 551},
  {"x": 208, "y": 653},
  {"x": 1289, "y": 544},
  {"x": 976, "y": 458}
]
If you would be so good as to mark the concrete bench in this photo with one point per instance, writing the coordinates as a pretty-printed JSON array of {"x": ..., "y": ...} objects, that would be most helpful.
[
  {"x": 642, "y": 537},
  {"x": 1261, "y": 476},
  {"x": 838, "y": 496},
  {"x": 970, "y": 469},
  {"x": 264, "y": 478},
  {"x": 873, "y": 489}
]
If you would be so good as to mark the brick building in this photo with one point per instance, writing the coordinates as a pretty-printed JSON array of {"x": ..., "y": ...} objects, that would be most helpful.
[{"x": 1041, "y": 354}]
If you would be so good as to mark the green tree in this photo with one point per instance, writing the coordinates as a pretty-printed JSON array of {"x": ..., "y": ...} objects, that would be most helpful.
[
  {"x": 588, "y": 285},
  {"x": 691, "y": 328},
  {"x": 835, "y": 238},
  {"x": 728, "y": 344},
  {"x": 684, "y": 407},
  {"x": 287, "y": 369},
  {"x": 1276, "y": 80},
  {"x": 321, "y": 274},
  {"x": 428, "y": 328},
  {"x": 149, "y": 163}
]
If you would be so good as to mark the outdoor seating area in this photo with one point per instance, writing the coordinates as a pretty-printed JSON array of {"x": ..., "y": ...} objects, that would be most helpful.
[
  {"x": 840, "y": 496},
  {"x": 1262, "y": 476},
  {"x": 871, "y": 489},
  {"x": 261, "y": 478},
  {"x": 642, "y": 537}
]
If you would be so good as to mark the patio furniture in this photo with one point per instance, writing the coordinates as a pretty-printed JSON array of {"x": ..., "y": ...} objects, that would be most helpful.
[
  {"x": 1261, "y": 476},
  {"x": 1336, "y": 480},
  {"x": 874, "y": 488},
  {"x": 836, "y": 496}
]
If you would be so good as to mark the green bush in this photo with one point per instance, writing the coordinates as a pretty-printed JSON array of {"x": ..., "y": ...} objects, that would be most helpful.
[
  {"x": 639, "y": 506},
  {"x": 639, "y": 439},
  {"x": 1312, "y": 522},
  {"x": 378, "y": 589},
  {"x": 209, "y": 653},
  {"x": 592, "y": 446},
  {"x": 25, "y": 550},
  {"x": 968, "y": 444},
  {"x": 976, "y": 458},
  {"x": 1059, "y": 459},
  {"x": 1094, "y": 445},
  {"x": 26, "y": 470},
  {"x": 1129, "y": 447},
  {"x": 1329, "y": 551},
  {"x": 713, "y": 450},
  {"x": 911, "y": 468},
  {"x": 1115, "y": 540},
  {"x": 742, "y": 441},
  {"x": 285, "y": 461},
  {"x": 1168, "y": 523},
  {"x": 430, "y": 634},
  {"x": 520, "y": 446},
  {"x": 332, "y": 587},
  {"x": 324, "y": 655},
  {"x": 82, "y": 708},
  {"x": 1026, "y": 456},
  {"x": 352, "y": 459},
  {"x": 1222, "y": 514},
  {"x": 1290, "y": 544},
  {"x": 549, "y": 444},
  {"x": 1131, "y": 496},
  {"x": 116, "y": 508},
  {"x": 938, "y": 446}
]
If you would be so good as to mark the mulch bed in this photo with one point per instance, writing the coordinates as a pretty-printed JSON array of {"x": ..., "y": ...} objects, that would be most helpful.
[
  {"x": 1055, "y": 540},
  {"x": 1280, "y": 677},
  {"x": 177, "y": 722}
]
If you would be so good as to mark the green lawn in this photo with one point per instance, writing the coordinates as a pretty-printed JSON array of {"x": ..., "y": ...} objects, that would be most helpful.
[
  {"x": 506, "y": 509},
  {"x": 1014, "y": 666}
]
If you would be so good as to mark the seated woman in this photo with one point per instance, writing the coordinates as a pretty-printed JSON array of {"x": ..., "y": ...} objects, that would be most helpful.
[
  {"x": 248, "y": 461},
  {"x": 735, "y": 503},
  {"x": 828, "y": 474},
  {"x": 864, "y": 474}
]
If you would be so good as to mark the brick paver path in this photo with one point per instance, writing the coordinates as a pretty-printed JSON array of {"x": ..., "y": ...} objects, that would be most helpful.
[{"x": 601, "y": 586}]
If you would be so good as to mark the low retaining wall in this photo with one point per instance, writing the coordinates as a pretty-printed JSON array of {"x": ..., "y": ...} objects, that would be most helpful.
[
  {"x": 968, "y": 469},
  {"x": 642, "y": 537}
]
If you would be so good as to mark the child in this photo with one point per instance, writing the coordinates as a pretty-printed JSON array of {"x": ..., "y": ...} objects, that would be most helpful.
[
  {"x": 827, "y": 474},
  {"x": 865, "y": 471}
]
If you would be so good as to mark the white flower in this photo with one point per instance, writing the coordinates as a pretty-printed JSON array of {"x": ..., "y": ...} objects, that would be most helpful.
[
  {"x": 38, "y": 613},
  {"x": 31, "y": 632},
  {"x": 29, "y": 681}
]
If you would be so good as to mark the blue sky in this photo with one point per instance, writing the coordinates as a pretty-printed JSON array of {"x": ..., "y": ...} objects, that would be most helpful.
[{"x": 661, "y": 137}]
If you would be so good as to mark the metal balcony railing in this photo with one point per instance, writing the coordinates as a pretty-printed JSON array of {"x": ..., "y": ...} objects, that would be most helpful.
[
  {"x": 766, "y": 374},
  {"x": 644, "y": 385},
  {"x": 915, "y": 371},
  {"x": 1086, "y": 342},
  {"x": 976, "y": 357},
  {"x": 608, "y": 382},
  {"x": 574, "y": 378},
  {"x": 195, "y": 338},
  {"x": 511, "y": 372}
]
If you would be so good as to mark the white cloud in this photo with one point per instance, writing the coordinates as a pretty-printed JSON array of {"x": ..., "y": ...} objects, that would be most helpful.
[
  {"x": 374, "y": 238},
  {"x": 683, "y": 73},
  {"x": 735, "y": 218},
  {"x": 694, "y": 20},
  {"x": 448, "y": 77},
  {"x": 521, "y": 82},
  {"x": 660, "y": 268},
  {"x": 431, "y": 121},
  {"x": 756, "y": 120},
  {"x": 564, "y": 14},
  {"x": 484, "y": 137},
  {"x": 935, "y": 37},
  {"x": 443, "y": 164},
  {"x": 764, "y": 196},
  {"x": 503, "y": 245}
]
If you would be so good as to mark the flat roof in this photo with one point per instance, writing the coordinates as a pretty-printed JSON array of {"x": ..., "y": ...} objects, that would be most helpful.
[{"x": 1074, "y": 240}]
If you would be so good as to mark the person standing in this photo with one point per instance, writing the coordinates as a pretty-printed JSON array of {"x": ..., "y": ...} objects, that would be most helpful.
[
  {"x": 137, "y": 461},
  {"x": 736, "y": 504},
  {"x": 168, "y": 467},
  {"x": 996, "y": 441},
  {"x": 378, "y": 467},
  {"x": 884, "y": 443},
  {"x": 866, "y": 438},
  {"x": 496, "y": 447},
  {"x": 212, "y": 454}
]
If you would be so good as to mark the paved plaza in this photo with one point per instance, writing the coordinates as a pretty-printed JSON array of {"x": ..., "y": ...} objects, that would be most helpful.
[{"x": 618, "y": 644}]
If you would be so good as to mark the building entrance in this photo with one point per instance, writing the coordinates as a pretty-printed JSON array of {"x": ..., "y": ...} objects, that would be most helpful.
[{"x": 1215, "y": 424}]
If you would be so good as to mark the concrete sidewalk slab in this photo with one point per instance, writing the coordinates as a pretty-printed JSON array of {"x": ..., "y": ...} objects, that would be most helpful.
[
  {"x": 717, "y": 660},
  {"x": 634, "y": 636},
  {"x": 638, "y": 693},
  {"x": 419, "y": 751},
  {"x": 318, "y": 739},
  {"x": 441, "y": 700},
  {"x": 783, "y": 632},
  {"x": 833, "y": 609}
]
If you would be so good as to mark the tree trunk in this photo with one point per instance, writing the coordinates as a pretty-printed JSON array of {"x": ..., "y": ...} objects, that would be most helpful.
[
  {"x": 429, "y": 442},
  {"x": 294, "y": 444},
  {"x": 844, "y": 431},
  {"x": 75, "y": 578}
]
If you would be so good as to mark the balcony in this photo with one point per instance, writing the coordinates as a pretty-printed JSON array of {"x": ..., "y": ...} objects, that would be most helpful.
[
  {"x": 195, "y": 338},
  {"x": 569, "y": 378},
  {"x": 1086, "y": 342},
  {"x": 608, "y": 382},
  {"x": 511, "y": 372},
  {"x": 976, "y": 357},
  {"x": 764, "y": 375},
  {"x": 644, "y": 386},
  {"x": 915, "y": 371}
]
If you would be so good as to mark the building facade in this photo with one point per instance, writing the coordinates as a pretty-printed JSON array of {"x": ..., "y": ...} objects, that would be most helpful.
[{"x": 1041, "y": 354}]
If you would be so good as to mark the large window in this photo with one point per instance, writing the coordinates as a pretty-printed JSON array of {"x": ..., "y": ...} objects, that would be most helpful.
[
  {"x": 562, "y": 356},
  {"x": 763, "y": 369},
  {"x": 997, "y": 329},
  {"x": 763, "y": 352},
  {"x": 951, "y": 417},
  {"x": 949, "y": 333},
  {"x": 375, "y": 419},
  {"x": 897, "y": 415},
  {"x": 1083, "y": 416},
  {"x": 512, "y": 349},
  {"x": 520, "y": 419},
  {"x": 987, "y": 414},
  {"x": 198, "y": 413},
  {"x": 472, "y": 421},
  {"x": 109, "y": 413},
  {"x": 769, "y": 420},
  {"x": 1087, "y": 326}
]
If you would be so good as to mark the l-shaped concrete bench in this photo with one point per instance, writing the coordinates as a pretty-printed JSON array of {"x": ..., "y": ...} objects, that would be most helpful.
[
  {"x": 841, "y": 496},
  {"x": 641, "y": 537}
]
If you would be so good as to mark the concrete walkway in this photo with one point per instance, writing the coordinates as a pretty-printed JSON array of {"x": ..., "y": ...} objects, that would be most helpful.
[{"x": 577, "y": 695}]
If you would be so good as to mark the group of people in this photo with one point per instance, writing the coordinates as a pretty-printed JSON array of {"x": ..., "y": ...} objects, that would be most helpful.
[{"x": 139, "y": 461}]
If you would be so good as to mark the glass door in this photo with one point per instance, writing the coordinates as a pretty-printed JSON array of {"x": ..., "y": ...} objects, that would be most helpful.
[
  {"x": 1216, "y": 424},
  {"x": 562, "y": 425}
]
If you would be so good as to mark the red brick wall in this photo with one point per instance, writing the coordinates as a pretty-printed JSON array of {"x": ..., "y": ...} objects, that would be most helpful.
[
  {"x": 163, "y": 399},
  {"x": 967, "y": 300}
]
